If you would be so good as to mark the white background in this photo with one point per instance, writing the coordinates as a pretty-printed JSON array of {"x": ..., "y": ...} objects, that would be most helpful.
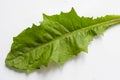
[{"x": 103, "y": 59}]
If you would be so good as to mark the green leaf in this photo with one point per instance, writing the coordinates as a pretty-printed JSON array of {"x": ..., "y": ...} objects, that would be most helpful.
[{"x": 56, "y": 39}]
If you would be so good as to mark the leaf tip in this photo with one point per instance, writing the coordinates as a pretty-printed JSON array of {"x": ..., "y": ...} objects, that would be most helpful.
[
  {"x": 73, "y": 11},
  {"x": 44, "y": 16}
]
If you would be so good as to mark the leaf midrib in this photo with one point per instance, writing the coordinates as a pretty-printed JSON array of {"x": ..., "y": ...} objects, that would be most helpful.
[{"x": 75, "y": 31}]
